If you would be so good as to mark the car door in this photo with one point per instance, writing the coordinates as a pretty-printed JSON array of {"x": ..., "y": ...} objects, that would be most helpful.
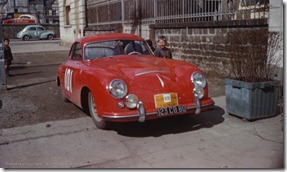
[
  {"x": 31, "y": 31},
  {"x": 39, "y": 31},
  {"x": 72, "y": 87}
]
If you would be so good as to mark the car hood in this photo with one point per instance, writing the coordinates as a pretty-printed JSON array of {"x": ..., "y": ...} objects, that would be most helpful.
[{"x": 143, "y": 71}]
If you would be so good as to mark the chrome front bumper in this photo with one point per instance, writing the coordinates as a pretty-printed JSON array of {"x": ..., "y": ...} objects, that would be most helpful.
[{"x": 141, "y": 116}]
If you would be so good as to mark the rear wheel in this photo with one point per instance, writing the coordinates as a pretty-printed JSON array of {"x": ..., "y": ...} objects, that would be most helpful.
[
  {"x": 50, "y": 37},
  {"x": 99, "y": 122},
  {"x": 26, "y": 38}
]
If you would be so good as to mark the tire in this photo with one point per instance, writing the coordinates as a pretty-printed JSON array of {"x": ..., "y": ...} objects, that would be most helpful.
[
  {"x": 99, "y": 122},
  {"x": 26, "y": 38},
  {"x": 50, "y": 37}
]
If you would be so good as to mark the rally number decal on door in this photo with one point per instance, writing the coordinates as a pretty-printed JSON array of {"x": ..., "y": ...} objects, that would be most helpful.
[{"x": 68, "y": 80}]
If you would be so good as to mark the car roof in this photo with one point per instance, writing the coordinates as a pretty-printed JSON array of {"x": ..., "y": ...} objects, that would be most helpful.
[
  {"x": 108, "y": 36},
  {"x": 34, "y": 25},
  {"x": 27, "y": 15}
]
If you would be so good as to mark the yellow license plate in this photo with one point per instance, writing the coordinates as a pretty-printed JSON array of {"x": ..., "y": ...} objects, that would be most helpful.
[{"x": 165, "y": 100}]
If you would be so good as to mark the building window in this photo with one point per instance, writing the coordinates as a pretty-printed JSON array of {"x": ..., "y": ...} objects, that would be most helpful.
[
  {"x": 253, "y": 2},
  {"x": 68, "y": 9}
]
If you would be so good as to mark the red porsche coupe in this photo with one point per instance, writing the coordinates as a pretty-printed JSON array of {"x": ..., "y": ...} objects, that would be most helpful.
[{"x": 116, "y": 78}]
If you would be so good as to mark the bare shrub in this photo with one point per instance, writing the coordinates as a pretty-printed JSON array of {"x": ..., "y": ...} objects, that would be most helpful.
[{"x": 252, "y": 54}]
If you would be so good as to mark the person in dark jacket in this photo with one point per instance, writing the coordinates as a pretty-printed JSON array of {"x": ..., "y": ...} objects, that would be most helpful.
[
  {"x": 162, "y": 50},
  {"x": 7, "y": 55}
]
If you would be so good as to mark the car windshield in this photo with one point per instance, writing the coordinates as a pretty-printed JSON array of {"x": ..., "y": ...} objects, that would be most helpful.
[{"x": 104, "y": 49}]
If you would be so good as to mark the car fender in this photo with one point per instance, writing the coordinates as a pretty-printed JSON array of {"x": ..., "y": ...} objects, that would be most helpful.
[
  {"x": 9, "y": 21},
  {"x": 99, "y": 88},
  {"x": 78, "y": 85},
  {"x": 44, "y": 35},
  {"x": 21, "y": 35},
  {"x": 27, "y": 35}
]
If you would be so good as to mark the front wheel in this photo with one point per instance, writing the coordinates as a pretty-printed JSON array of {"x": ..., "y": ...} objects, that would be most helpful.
[
  {"x": 50, "y": 37},
  {"x": 26, "y": 38},
  {"x": 99, "y": 122}
]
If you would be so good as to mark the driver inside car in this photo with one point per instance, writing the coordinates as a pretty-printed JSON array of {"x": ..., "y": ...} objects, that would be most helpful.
[{"x": 133, "y": 47}]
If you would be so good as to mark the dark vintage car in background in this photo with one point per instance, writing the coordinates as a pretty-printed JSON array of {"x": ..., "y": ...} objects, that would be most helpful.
[
  {"x": 35, "y": 32},
  {"x": 116, "y": 78}
]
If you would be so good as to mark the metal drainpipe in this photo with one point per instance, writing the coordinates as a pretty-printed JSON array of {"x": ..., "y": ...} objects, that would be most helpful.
[
  {"x": 123, "y": 11},
  {"x": 86, "y": 18}
]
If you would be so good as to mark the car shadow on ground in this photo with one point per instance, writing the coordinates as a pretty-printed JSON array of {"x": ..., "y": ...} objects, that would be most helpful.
[
  {"x": 171, "y": 125},
  {"x": 27, "y": 73}
]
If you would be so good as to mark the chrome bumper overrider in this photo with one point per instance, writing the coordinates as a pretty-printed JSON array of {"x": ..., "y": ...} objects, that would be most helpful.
[
  {"x": 141, "y": 116},
  {"x": 197, "y": 106},
  {"x": 141, "y": 111}
]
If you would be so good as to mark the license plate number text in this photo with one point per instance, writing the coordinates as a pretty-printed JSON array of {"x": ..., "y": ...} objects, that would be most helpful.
[{"x": 171, "y": 110}]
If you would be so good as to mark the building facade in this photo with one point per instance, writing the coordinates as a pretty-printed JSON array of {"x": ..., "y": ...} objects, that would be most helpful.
[
  {"x": 46, "y": 11},
  {"x": 136, "y": 16},
  {"x": 72, "y": 20},
  {"x": 197, "y": 30}
]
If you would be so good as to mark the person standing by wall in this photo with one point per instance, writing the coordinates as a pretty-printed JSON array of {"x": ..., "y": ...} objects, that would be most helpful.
[
  {"x": 7, "y": 55},
  {"x": 162, "y": 50}
]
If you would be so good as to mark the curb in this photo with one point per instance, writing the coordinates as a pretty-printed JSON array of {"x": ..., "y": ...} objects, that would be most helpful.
[
  {"x": 40, "y": 51},
  {"x": 28, "y": 84}
]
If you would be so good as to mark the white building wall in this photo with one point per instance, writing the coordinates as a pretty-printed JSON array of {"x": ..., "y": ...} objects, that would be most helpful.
[
  {"x": 69, "y": 33},
  {"x": 276, "y": 25},
  {"x": 144, "y": 32}
]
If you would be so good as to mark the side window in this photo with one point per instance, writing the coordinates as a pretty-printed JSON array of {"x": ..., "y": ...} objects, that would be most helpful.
[
  {"x": 77, "y": 52},
  {"x": 25, "y": 17},
  {"x": 40, "y": 28},
  {"x": 32, "y": 29},
  {"x": 134, "y": 46},
  {"x": 72, "y": 50}
]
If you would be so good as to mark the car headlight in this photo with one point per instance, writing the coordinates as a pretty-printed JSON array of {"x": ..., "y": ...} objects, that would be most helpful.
[
  {"x": 198, "y": 79},
  {"x": 118, "y": 88},
  {"x": 131, "y": 101}
]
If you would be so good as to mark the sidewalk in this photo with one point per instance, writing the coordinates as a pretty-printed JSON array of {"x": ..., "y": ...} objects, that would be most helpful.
[
  {"x": 33, "y": 46},
  {"x": 226, "y": 142},
  {"x": 212, "y": 139}
]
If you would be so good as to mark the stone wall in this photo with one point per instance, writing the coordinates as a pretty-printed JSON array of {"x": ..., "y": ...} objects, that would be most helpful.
[
  {"x": 11, "y": 30},
  {"x": 203, "y": 45}
]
